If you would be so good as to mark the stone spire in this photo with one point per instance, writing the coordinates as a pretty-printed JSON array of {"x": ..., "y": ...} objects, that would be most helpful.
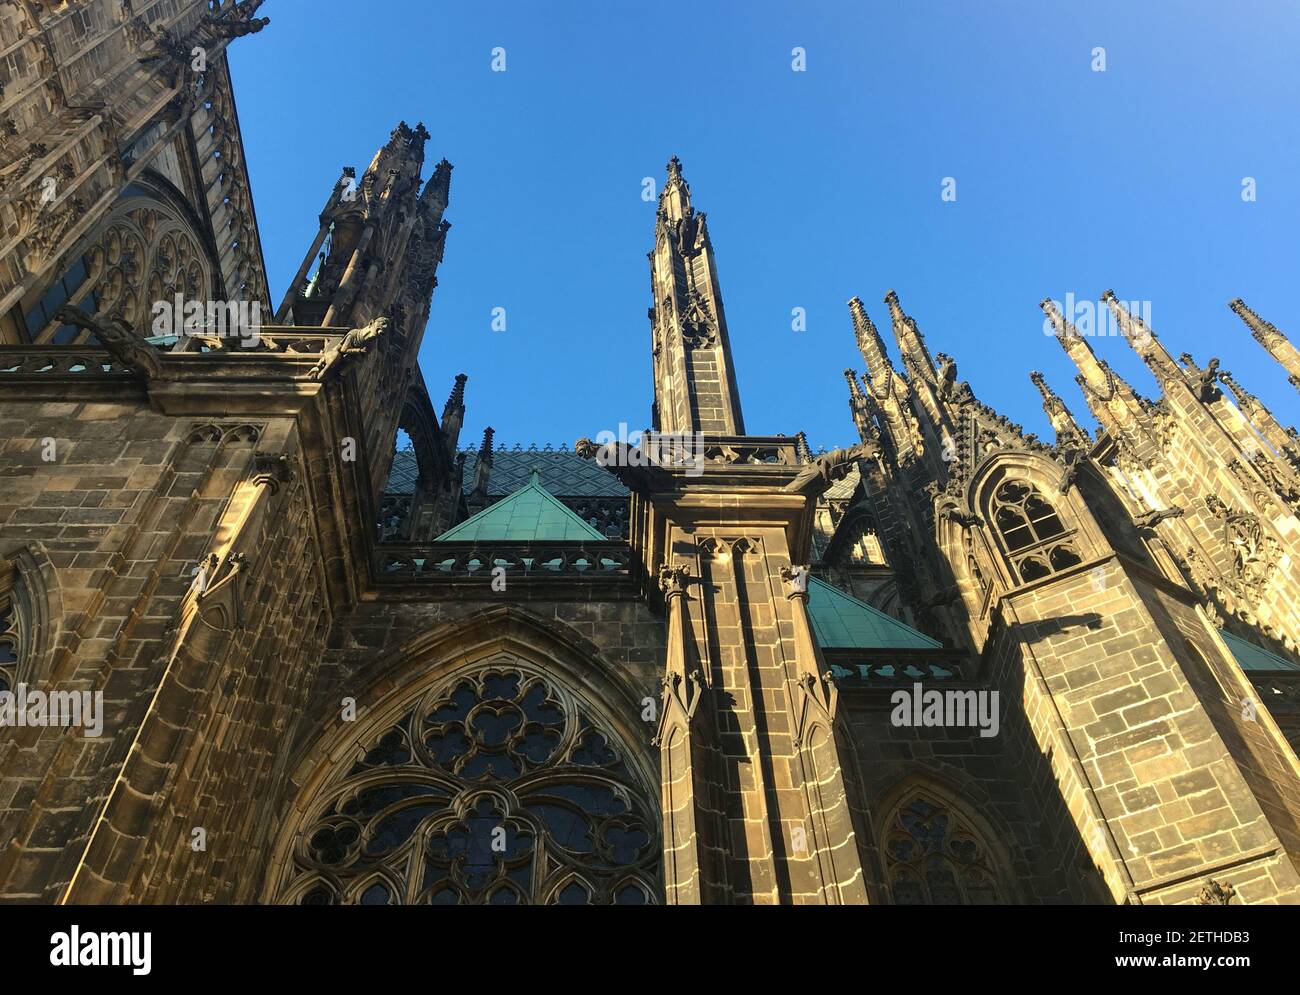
[
  {"x": 1281, "y": 437},
  {"x": 928, "y": 397},
  {"x": 453, "y": 413},
  {"x": 861, "y": 405},
  {"x": 1093, "y": 371},
  {"x": 1112, "y": 401},
  {"x": 1143, "y": 340},
  {"x": 694, "y": 378},
  {"x": 870, "y": 344},
  {"x": 401, "y": 157},
  {"x": 382, "y": 239},
  {"x": 1271, "y": 338},
  {"x": 477, "y": 499},
  {"x": 1068, "y": 432},
  {"x": 457, "y": 397},
  {"x": 675, "y": 200},
  {"x": 437, "y": 190},
  {"x": 801, "y": 447},
  {"x": 888, "y": 396},
  {"x": 911, "y": 343}
]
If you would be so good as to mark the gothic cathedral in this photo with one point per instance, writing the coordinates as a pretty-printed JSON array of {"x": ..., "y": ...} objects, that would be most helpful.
[{"x": 710, "y": 667}]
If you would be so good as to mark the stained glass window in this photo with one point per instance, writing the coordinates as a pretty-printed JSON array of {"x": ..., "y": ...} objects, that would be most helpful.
[
  {"x": 499, "y": 787},
  {"x": 933, "y": 856},
  {"x": 8, "y": 646},
  {"x": 15, "y": 627},
  {"x": 1033, "y": 534}
]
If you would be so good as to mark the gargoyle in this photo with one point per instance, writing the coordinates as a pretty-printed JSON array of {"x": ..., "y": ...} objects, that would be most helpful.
[
  {"x": 119, "y": 338},
  {"x": 1206, "y": 387},
  {"x": 1073, "y": 458},
  {"x": 673, "y": 579},
  {"x": 947, "y": 375},
  {"x": 355, "y": 343},
  {"x": 818, "y": 475},
  {"x": 633, "y": 467},
  {"x": 944, "y": 597},
  {"x": 955, "y": 513},
  {"x": 238, "y": 21},
  {"x": 1153, "y": 518}
]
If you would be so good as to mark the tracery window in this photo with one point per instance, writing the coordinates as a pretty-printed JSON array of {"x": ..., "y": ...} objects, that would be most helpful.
[
  {"x": 15, "y": 627},
  {"x": 67, "y": 288},
  {"x": 145, "y": 250},
  {"x": 973, "y": 565},
  {"x": 499, "y": 787},
  {"x": 933, "y": 856},
  {"x": 9, "y": 659},
  {"x": 1033, "y": 535}
]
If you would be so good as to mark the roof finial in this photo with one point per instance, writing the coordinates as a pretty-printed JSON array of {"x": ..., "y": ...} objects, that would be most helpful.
[
  {"x": 1068, "y": 432},
  {"x": 855, "y": 391},
  {"x": 1271, "y": 338},
  {"x": 911, "y": 343},
  {"x": 457, "y": 398}
]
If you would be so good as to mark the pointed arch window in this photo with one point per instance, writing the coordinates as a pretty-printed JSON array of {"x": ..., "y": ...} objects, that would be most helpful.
[
  {"x": 935, "y": 856},
  {"x": 16, "y": 624},
  {"x": 1033, "y": 535},
  {"x": 497, "y": 787},
  {"x": 973, "y": 565},
  {"x": 9, "y": 658}
]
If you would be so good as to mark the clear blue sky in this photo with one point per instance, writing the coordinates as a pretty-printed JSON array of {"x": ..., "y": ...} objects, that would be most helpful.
[{"x": 819, "y": 185}]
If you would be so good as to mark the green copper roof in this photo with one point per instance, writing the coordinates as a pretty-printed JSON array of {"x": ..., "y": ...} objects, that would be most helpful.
[
  {"x": 1252, "y": 657},
  {"x": 530, "y": 513},
  {"x": 842, "y": 622}
]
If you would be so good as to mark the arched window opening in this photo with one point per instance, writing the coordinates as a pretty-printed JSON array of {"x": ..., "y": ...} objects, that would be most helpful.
[
  {"x": 973, "y": 565},
  {"x": 73, "y": 287},
  {"x": 498, "y": 787},
  {"x": 15, "y": 627},
  {"x": 400, "y": 490},
  {"x": 935, "y": 856},
  {"x": 9, "y": 659},
  {"x": 863, "y": 546},
  {"x": 1033, "y": 534},
  {"x": 148, "y": 248}
]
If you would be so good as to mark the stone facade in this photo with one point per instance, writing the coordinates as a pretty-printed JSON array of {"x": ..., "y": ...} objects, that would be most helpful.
[{"x": 307, "y": 697}]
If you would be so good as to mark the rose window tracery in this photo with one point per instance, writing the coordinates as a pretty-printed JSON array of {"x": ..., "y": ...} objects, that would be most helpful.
[
  {"x": 498, "y": 787},
  {"x": 144, "y": 253},
  {"x": 933, "y": 856}
]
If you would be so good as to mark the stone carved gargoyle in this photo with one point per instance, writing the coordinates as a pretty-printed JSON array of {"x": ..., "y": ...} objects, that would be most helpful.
[
  {"x": 355, "y": 343},
  {"x": 818, "y": 475},
  {"x": 632, "y": 466},
  {"x": 118, "y": 337},
  {"x": 1148, "y": 521},
  {"x": 1206, "y": 384},
  {"x": 947, "y": 375}
]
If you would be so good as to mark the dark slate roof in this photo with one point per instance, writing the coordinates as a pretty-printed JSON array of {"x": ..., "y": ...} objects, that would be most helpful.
[
  {"x": 402, "y": 474},
  {"x": 563, "y": 472}
]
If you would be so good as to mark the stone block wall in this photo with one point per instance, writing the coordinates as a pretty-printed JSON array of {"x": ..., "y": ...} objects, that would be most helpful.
[{"x": 124, "y": 513}]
